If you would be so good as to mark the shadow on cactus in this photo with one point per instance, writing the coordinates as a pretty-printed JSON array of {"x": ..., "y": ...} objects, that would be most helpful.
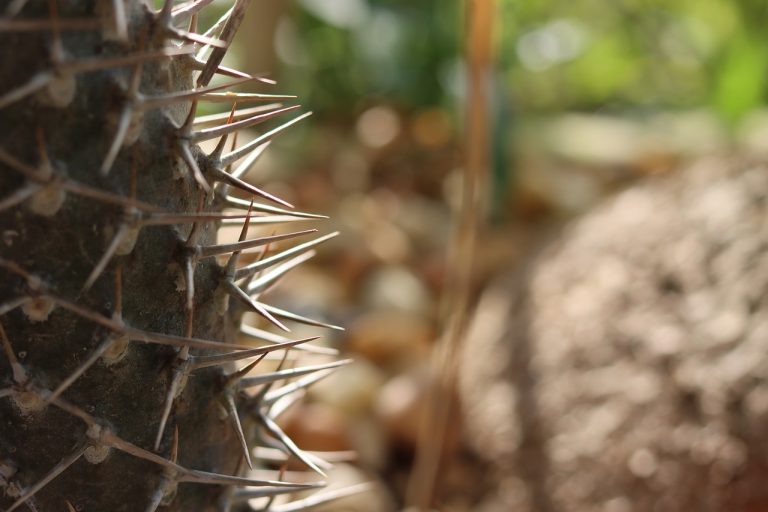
[{"x": 124, "y": 383}]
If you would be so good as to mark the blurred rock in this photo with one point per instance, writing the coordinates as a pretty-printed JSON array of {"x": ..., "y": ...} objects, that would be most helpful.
[
  {"x": 395, "y": 287},
  {"x": 753, "y": 133},
  {"x": 370, "y": 442},
  {"x": 625, "y": 368},
  {"x": 400, "y": 406},
  {"x": 375, "y": 499},
  {"x": 392, "y": 338},
  {"x": 317, "y": 427},
  {"x": 432, "y": 128},
  {"x": 351, "y": 389},
  {"x": 378, "y": 126},
  {"x": 309, "y": 288}
]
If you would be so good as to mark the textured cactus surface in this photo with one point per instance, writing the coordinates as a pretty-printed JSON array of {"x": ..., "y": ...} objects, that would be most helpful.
[{"x": 123, "y": 383}]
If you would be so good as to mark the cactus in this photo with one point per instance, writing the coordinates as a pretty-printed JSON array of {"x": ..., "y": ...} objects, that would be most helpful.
[{"x": 123, "y": 382}]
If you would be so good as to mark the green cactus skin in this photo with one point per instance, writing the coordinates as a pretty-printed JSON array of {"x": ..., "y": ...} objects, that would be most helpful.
[{"x": 118, "y": 330}]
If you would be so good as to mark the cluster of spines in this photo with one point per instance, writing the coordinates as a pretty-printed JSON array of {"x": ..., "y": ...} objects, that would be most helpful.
[{"x": 45, "y": 190}]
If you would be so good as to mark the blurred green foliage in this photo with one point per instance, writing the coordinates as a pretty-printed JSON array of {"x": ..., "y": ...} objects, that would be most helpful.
[
  {"x": 553, "y": 55},
  {"x": 348, "y": 53}
]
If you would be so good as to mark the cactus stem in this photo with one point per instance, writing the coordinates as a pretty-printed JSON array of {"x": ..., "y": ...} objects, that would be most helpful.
[
  {"x": 266, "y": 378},
  {"x": 179, "y": 376},
  {"x": 59, "y": 468},
  {"x": 191, "y": 161},
  {"x": 128, "y": 113},
  {"x": 233, "y": 156},
  {"x": 101, "y": 63},
  {"x": 43, "y": 78},
  {"x": 243, "y": 297},
  {"x": 37, "y": 82},
  {"x": 194, "y": 233},
  {"x": 214, "y": 360},
  {"x": 190, "y": 263},
  {"x": 19, "y": 374},
  {"x": 75, "y": 411},
  {"x": 141, "y": 335},
  {"x": 29, "y": 25},
  {"x": 44, "y": 187},
  {"x": 106, "y": 197},
  {"x": 73, "y": 186},
  {"x": 182, "y": 474},
  {"x": 126, "y": 116},
  {"x": 95, "y": 355},
  {"x": 167, "y": 483},
  {"x": 122, "y": 232},
  {"x": 179, "y": 341},
  {"x": 211, "y": 133},
  {"x": 32, "y": 281},
  {"x": 251, "y": 269},
  {"x": 297, "y": 452},
  {"x": 117, "y": 314}
]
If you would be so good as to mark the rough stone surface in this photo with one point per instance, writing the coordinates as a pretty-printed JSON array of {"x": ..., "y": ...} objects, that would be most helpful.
[{"x": 625, "y": 368}]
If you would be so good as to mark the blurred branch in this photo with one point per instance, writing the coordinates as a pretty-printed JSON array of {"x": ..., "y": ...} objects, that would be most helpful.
[{"x": 479, "y": 55}]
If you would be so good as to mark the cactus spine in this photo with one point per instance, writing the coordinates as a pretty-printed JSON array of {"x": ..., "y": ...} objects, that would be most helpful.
[{"x": 119, "y": 380}]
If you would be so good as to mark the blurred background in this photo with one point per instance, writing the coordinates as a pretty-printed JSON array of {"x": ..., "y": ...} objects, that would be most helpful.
[{"x": 586, "y": 98}]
